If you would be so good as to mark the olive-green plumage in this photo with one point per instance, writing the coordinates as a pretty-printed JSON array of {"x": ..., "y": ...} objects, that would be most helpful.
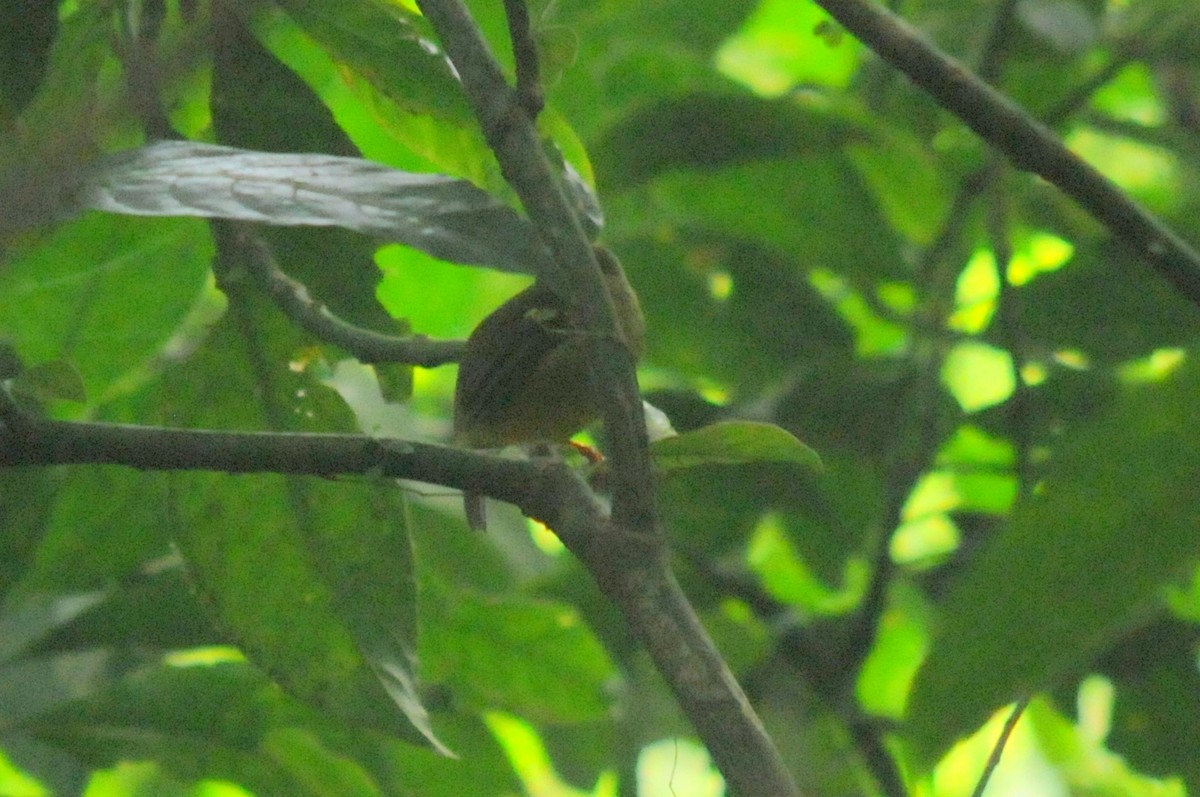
[{"x": 523, "y": 377}]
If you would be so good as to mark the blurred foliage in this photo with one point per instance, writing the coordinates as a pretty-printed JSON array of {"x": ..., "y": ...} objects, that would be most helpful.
[{"x": 1001, "y": 396}]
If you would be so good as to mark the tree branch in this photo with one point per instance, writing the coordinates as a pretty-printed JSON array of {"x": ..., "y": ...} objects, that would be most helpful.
[
  {"x": 512, "y": 136},
  {"x": 525, "y": 55},
  {"x": 1028, "y": 144},
  {"x": 628, "y": 557},
  {"x": 368, "y": 346},
  {"x": 550, "y": 492}
]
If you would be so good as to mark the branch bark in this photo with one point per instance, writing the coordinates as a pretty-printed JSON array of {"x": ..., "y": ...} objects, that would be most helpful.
[
  {"x": 546, "y": 491},
  {"x": 628, "y": 556},
  {"x": 368, "y": 346},
  {"x": 1027, "y": 143}
]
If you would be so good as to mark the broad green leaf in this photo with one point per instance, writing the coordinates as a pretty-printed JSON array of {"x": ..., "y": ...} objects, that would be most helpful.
[
  {"x": 813, "y": 207},
  {"x": 122, "y": 512},
  {"x": 898, "y": 167},
  {"x": 732, "y": 443},
  {"x": 102, "y": 292},
  {"x": 203, "y": 716},
  {"x": 1076, "y": 566},
  {"x": 517, "y": 654},
  {"x": 446, "y": 217},
  {"x": 387, "y": 44},
  {"x": 312, "y": 583},
  {"x": 733, "y": 313},
  {"x": 710, "y": 131},
  {"x": 384, "y": 128},
  {"x": 312, "y": 578},
  {"x": 302, "y": 755},
  {"x": 635, "y": 54}
]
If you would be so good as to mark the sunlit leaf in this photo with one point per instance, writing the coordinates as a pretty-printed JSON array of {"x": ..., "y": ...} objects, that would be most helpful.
[
  {"x": 731, "y": 443},
  {"x": 1077, "y": 565}
]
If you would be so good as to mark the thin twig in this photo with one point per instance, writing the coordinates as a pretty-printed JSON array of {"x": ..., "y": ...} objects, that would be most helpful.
[
  {"x": 998, "y": 749},
  {"x": 995, "y": 49},
  {"x": 1028, "y": 144},
  {"x": 525, "y": 56},
  {"x": 293, "y": 298},
  {"x": 868, "y": 737}
]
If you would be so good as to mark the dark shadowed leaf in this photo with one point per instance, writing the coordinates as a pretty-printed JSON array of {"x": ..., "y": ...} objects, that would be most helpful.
[
  {"x": 446, "y": 217},
  {"x": 33, "y": 686},
  {"x": 708, "y": 131},
  {"x": 55, "y": 379},
  {"x": 37, "y": 616}
]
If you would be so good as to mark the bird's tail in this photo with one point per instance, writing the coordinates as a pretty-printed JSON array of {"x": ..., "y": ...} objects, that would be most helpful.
[{"x": 473, "y": 504}]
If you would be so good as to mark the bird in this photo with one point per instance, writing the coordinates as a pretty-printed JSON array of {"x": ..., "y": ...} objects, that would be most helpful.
[{"x": 523, "y": 377}]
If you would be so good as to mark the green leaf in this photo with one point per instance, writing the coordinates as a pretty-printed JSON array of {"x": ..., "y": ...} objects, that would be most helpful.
[
  {"x": 35, "y": 617},
  {"x": 732, "y": 443},
  {"x": 708, "y": 131},
  {"x": 517, "y": 654},
  {"x": 302, "y": 755},
  {"x": 813, "y": 207},
  {"x": 104, "y": 292},
  {"x": 33, "y": 686},
  {"x": 312, "y": 578},
  {"x": 385, "y": 43},
  {"x": 56, "y": 379},
  {"x": 312, "y": 581},
  {"x": 449, "y": 218},
  {"x": 1076, "y": 566},
  {"x": 199, "y": 718}
]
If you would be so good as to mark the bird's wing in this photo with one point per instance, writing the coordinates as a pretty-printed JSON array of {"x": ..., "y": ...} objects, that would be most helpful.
[{"x": 503, "y": 351}]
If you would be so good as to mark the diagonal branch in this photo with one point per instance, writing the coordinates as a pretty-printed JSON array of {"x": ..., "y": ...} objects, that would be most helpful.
[
  {"x": 628, "y": 556},
  {"x": 513, "y": 137},
  {"x": 368, "y": 346},
  {"x": 1030, "y": 145}
]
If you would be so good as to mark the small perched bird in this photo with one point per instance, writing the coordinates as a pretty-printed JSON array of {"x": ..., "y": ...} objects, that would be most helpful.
[{"x": 523, "y": 377}]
